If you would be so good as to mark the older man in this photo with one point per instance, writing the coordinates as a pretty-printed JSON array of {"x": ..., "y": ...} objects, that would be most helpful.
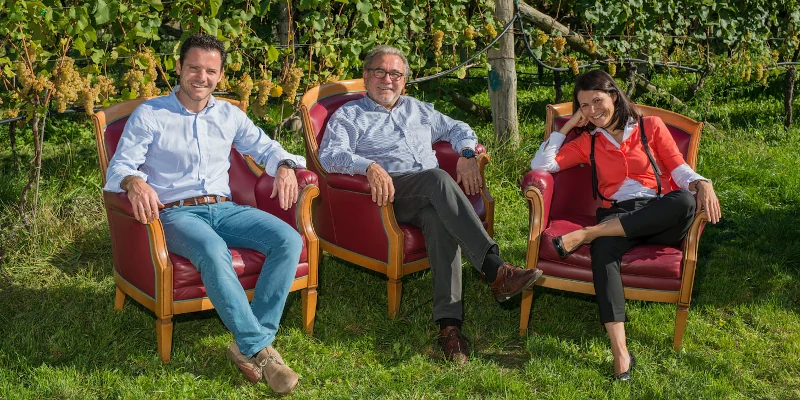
[
  {"x": 172, "y": 160},
  {"x": 388, "y": 137}
]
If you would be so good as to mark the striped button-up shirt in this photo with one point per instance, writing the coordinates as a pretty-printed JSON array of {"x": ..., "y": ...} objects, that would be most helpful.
[
  {"x": 182, "y": 154},
  {"x": 399, "y": 140}
]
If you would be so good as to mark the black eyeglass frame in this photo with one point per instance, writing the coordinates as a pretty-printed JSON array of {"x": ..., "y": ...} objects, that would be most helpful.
[{"x": 380, "y": 73}]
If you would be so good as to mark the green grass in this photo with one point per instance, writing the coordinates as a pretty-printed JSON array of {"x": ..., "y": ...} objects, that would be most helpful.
[{"x": 61, "y": 338}]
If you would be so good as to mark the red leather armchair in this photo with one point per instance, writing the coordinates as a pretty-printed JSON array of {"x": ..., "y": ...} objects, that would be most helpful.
[
  {"x": 562, "y": 202},
  {"x": 350, "y": 225},
  {"x": 169, "y": 284}
]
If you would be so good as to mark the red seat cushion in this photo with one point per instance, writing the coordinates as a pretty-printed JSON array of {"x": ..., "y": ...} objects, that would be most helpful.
[
  {"x": 247, "y": 263},
  {"x": 645, "y": 266}
]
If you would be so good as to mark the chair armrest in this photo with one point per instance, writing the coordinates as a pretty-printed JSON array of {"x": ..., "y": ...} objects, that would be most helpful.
[
  {"x": 690, "y": 245},
  {"x": 537, "y": 186},
  {"x": 306, "y": 180},
  {"x": 352, "y": 183},
  {"x": 118, "y": 202},
  {"x": 139, "y": 250}
]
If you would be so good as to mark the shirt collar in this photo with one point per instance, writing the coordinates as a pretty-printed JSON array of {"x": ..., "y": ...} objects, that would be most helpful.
[
  {"x": 626, "y": 132},
  {"x": 373, "y": 106},
  {"x": 177, "y": 103}
]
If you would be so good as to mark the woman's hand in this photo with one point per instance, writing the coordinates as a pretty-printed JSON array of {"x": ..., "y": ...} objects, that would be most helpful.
[
  {"x": 577, "y": 120},
  {"x": 707, "y": 200}
]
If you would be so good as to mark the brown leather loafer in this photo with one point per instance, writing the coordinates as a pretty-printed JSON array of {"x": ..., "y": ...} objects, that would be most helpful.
[
  {"x": 454, "y": 345},
  {"x": 268, "y": 364},
  {"x": 511, "y": 281}
]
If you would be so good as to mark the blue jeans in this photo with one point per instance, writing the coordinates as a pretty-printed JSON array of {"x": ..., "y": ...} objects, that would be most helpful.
[{"x": 203, "y": 234}]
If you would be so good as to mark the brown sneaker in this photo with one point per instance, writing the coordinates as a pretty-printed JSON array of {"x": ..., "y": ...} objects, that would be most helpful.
[
  {"x": 511, "y": 281},
  {"x": 267, "y": 363},
  {"x": 454, "y": 345}
]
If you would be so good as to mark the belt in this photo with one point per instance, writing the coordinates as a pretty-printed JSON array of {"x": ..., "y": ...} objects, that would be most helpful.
[{"x": 196, "y": 201}]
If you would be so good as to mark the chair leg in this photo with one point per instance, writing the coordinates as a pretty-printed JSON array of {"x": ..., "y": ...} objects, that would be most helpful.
[
  {"x": 395, "y": 287},
  {"x": 164, "y": 337},
  {"x": 680, "y": 326},
  {"x": 119, "y": 299},
  {"x": 308, "y": 301},
  {"x": 525, "y": 310}
]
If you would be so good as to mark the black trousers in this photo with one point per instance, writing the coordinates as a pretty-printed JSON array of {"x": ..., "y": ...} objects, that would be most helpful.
[{"x": 662, "y": 221}]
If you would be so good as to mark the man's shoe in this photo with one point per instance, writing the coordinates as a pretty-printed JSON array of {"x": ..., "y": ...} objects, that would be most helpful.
[
  {"x": 454, "y": 345},
  {"x": 268, "y": 364},
  {"x": 511, "y": 281}
]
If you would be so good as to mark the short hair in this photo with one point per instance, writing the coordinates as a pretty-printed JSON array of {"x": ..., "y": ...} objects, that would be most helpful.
[
  {"x": 600, "y": 80},
  {"x": 205, "y": 42},
  {"x": 386, "y": 49}
]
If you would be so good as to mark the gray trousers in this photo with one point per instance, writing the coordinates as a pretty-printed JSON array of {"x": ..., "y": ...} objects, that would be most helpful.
[{"x": 433, "y": 201}]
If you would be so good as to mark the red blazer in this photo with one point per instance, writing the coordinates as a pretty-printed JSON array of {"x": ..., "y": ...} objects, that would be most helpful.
[{"x": 629, "y": 161}]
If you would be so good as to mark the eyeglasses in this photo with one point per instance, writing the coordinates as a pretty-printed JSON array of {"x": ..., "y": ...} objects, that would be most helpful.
[{"x": 380, "y": 73}]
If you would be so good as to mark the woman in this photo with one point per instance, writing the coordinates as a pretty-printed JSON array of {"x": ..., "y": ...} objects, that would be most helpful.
[{"x": 631, "y": 174}]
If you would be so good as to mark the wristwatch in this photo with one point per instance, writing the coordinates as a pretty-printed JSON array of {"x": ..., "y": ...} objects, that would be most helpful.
[
  {"x": 289, "y": 163},
  {"x": 467, "y": 152}
]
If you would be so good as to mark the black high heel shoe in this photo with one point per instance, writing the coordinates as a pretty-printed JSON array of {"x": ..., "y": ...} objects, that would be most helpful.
[
  {"x": 558, "y": 243},
  {"x": 626, "y": 376}
]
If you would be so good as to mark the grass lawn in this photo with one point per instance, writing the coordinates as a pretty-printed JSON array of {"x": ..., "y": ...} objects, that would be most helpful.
[{"x": 61, "y": 338}]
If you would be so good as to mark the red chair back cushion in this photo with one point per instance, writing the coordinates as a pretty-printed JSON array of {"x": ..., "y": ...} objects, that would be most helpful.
[{"x": 321, "y": 112}]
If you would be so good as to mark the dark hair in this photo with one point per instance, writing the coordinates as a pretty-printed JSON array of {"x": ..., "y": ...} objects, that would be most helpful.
[
  {"x": 600, "y": 80},
  {"x": 205, "y": 42}
]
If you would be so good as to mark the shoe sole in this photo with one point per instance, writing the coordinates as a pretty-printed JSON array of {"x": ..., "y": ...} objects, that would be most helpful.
[
  {"x": 247, "y": 368},
  {"x": 536, "y": 275}
]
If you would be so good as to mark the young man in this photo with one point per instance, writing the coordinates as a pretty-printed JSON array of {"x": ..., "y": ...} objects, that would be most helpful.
[
  {"x": 172, "y": 160},
  {"x": 388, "y": 138}
]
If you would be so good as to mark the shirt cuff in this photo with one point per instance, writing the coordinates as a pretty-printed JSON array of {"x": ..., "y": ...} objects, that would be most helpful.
[
  {"x": 465, "y": 143},
  {"x": 360, "y": 165},
  {"x": 113, "y": 183}
]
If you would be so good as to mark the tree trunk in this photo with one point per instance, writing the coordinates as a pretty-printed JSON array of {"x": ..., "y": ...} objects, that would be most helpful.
[
  {"x": 791, "y": 76},
  {"x": 466, "y": 104},
  {"x": 503, "y": 80},
  {"x": 36, "y": 166},
  {"x": 12, "y": 136}
]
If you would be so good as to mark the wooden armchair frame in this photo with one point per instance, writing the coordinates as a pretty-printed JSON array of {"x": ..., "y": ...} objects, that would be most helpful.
[
  {"x": 163, "y": 304},
  {"x": 394, "y": 267},
  {"x": 537, "y": 202}
]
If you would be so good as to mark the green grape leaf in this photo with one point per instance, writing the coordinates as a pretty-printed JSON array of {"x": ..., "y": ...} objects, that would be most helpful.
[
  {"x": 101, "y": 12},
  {"x": 272, "y": 54}
]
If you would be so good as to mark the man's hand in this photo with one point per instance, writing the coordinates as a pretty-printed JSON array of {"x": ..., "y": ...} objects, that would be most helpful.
[
  {"x": 469, "y": 175},
  {"x": 143, "y": 198},
  {"x": 285, "y": 187},
  {"x": 381, "y": 185},
  {"x": 707, "y": 200}
]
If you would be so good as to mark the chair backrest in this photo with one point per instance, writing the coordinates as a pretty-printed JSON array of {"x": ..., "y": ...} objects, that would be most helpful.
[
  {"x": 108, "y": 127},
  {"x": 317, "y": 106},
  {"x": 578, "y": 199}
]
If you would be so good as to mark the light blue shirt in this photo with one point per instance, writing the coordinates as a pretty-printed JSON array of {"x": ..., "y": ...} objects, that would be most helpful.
[
  {"x": 399, "y": 140},
  {"x": 182, "y": 154}
]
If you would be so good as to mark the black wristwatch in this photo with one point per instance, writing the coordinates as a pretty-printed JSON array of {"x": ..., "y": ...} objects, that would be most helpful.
[
  {"x": 467, "y": 153},
  {"x": 288, "y": 163}
]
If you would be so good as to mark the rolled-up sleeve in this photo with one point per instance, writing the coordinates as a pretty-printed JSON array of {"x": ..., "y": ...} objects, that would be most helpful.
[
  {"x": 337, "y": 150},
  {"x": 131, "y": 150},
  {"x": 253, "y": 141}
]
